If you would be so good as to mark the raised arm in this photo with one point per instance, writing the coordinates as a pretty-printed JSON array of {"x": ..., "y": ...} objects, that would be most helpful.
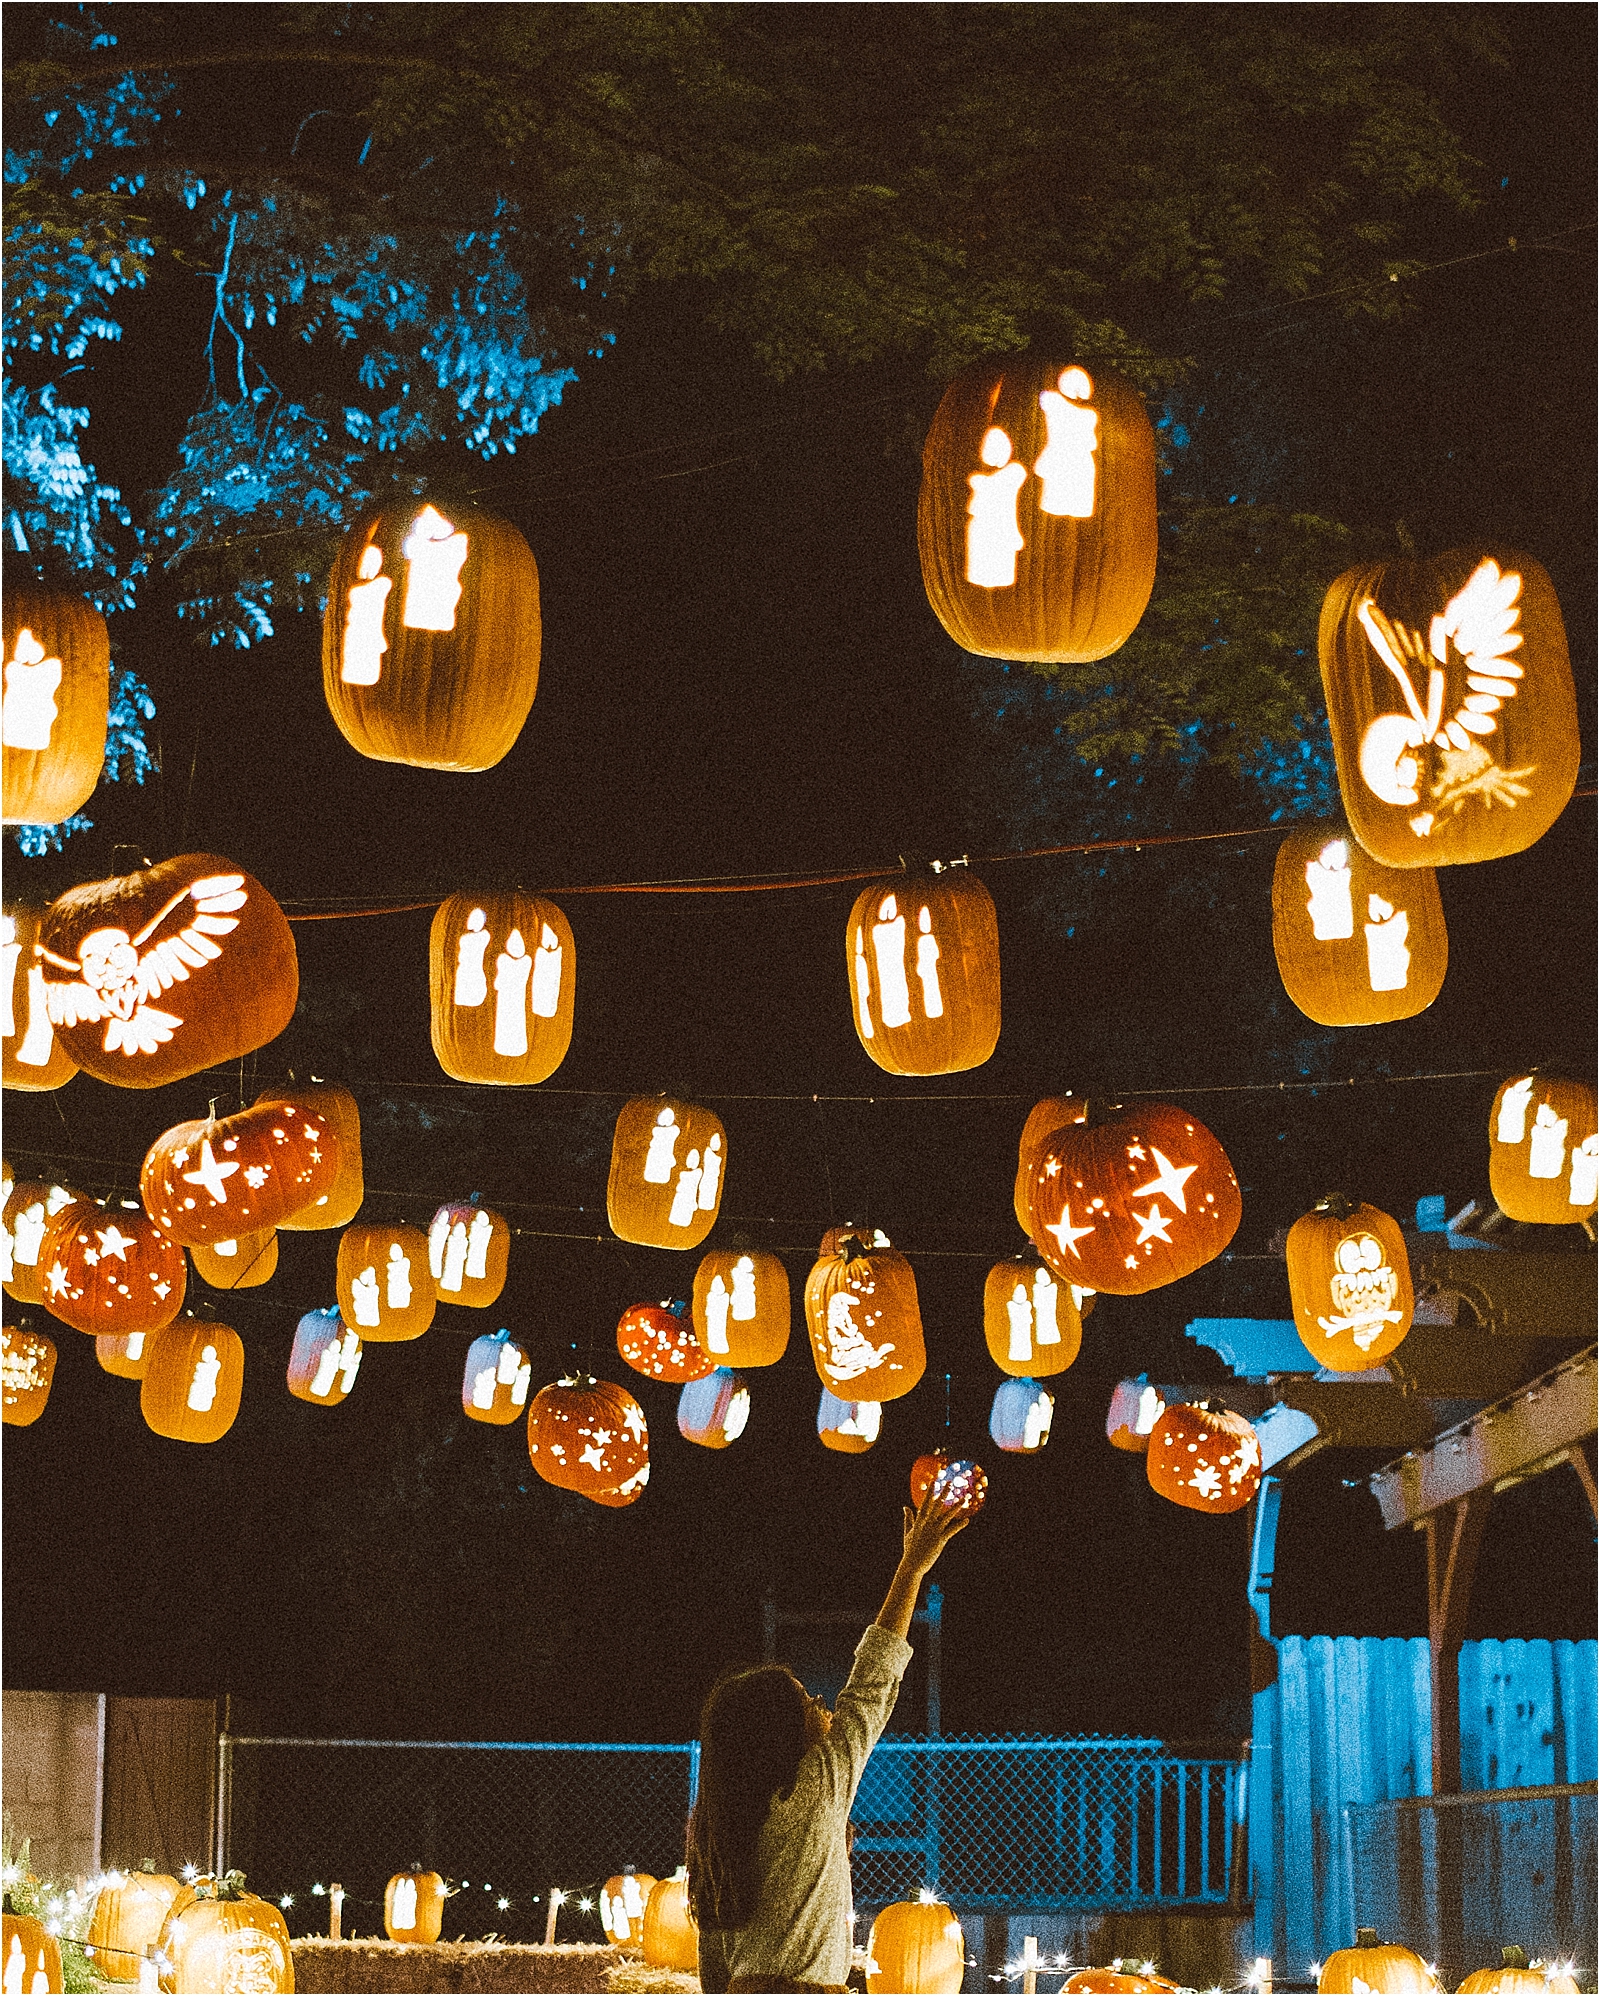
[{"x": 928, "y": 1531}]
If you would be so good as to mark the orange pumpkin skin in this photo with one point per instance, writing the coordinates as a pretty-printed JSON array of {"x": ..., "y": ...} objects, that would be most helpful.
[
  {"x": 341, "y": 1202},
  {"x": 450, "y": 698},
  {"x": 30, "y": 1210},
  {"x": 227, "y": 1945},
  {"x": 1357, "y": 943},
  {"x": 193, "y": 1382},
  {"x": 111, "y": 1270},
  {"x": 324, "y": 1359},
  {"x": 27, "y": 1367},
  {"x": 127, "y": 1356},
  {"x": 1030, "y": 1323},
  {"x": 740, "y": 1307},
  {"x": 1375, "y": 1966},
  {"x": 1349, "y": 1284},
  {"x": 1047, "y": 1116},
  {"x": 469, "y": 1251},
  {"x": 590, "y": 1436},
  {"x": 208, "y": 1181},
  {"x": 128, "y": 1914},
  {"x": 1118, "y": 1983},
  {"x": 494, "y": 1382},
  {"x": 917, "y": 1946},
  {"x": 922, "y": 955},
  {"x": 419, "y": 1894},
  {"x": 848, "y": 1427},
  {"x": 244, "y": 1263},
  {"x": 32, "y": 1059},
  {"x": 1450, "y": 698},
  {"x": 1140, "y": 1199},
  {"x": 1132, "y": 1416},
  {"x": 29, "y": 1951},
  {"x": 1079, "y": 581},
  {"x": 658, "y": 1341},
  {"x": 963, "y": 1484},
  {"x": 622, "y": 1903},
  {"x": 1204, "y": 1457},
  {"x": 670, "y": 1937},
  {"x": 1515, "y": 1976},
  {"x": 502, "y": 973},
  {"x": 865, "y": 1324},
  {"x": 57, "y": 674},
  {"x": 386, "y": 1289},
  {"x": 668, "y": 1167},
  {"x": 154, "y": 975},
  {"x": 1543, "y": 1151}
]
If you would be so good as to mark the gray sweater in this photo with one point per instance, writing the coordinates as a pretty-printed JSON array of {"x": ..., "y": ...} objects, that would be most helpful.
[{"x": 801, "y": 1930}]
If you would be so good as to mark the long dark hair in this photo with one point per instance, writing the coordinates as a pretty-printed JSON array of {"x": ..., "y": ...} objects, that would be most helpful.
[{"x": 752, "y": 1735}]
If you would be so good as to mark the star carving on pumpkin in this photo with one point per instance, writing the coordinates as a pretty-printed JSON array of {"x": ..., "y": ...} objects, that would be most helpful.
[
  {"x": 593, "y": 1458},
  {"x": 255, "y": 1176},
  {"x": 1170, "y": 1183},
  {"x": 57, "y": 1280},
  {"x": 114, "y": 1242},
  {"x": 1206, "y": 1481},
  {"x": 1154, "y": 1223},
  {"x": 211, "y": 1173},
  {"x": 1068, "y": 1235},
  {"x": 1052, "y": 1167},
  {"x": 633, "y": 1422}
]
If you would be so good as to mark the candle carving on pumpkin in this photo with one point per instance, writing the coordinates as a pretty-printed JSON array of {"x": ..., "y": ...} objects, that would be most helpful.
[
  {"x": 324, "y": 1359},
  {"x": 1544, "y": 1150},
  {"x": 924, "y": 965},
  {"x": 850, "y": 1427},
  {"x": 34, "y": 1059}
]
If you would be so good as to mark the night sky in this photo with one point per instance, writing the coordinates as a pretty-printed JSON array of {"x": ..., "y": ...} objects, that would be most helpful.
[{"x": 741, "y": 675}]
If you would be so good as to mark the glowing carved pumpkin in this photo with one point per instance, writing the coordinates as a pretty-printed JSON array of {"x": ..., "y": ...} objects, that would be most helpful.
[
  {"x": 865, "y": 1325},
  {"x": 670, "y": 1938},
  {"x": 850, "y": 1427},
  {"x": 668, "y": 1163},
  {"x": 128, "y": 1914},
  {"x": 31, "y": 1057},
  {"x": 714, "y": 1411},
  {"x": 29, "y": 1953},
  {"x": 590, "y": 1436},
  {"x": 324, "y": 1359},
  {"x": 917, "y": 1945},
  {"x": 502, "y": 971},
  {"x": 111, "y": 1269},
  {"x": 128, "y": 1356},
  {"x": 1357, "y": 943},
  {"x": 226, "y": 1940},
  {"x": 1030, "y": 1323},
  {"x": 469, "y": 1247},
  {"x": 430, "y": 642},
  {"x": 1203, "y": 1456},
  {"x": 1544, "y": 1154},
  {"x": 922, "y": 953},
  {"x": 1125, "y": 1978},
  {"x": 57, "y": 694},
  {"x": 1047, "y": 1116},
  {"x": 1379, "y": 1967},
  {"x": 244, "y": 1263},
  {"x": 1135, "y": 1409},
  {"x": 216, "y": 1179},
  {"x": 1020, "y": 1419},
  {"x": 1517, "y": 1977},
  {"x": 1455, "y": 725},
  {"x": 27, "y": 1366},
  {"x": 1036, "y": 523},
  {"x": 959, "y": 1482},
  {"x": 658, "y": 1341},
  {"x": 30, "y": 1208},
  {"x": 1134, "y": 1200},
  {"x": 413, "y": 1906},
  {"x": 341, "y": 1202},
  {"x": 622, "y": 1904},
  {"x": 385, "y": 1286},
  {"x": 741, "y": 1306},
  {"x": 1349, "y": 1284},
  {"x": 154, "y": 975},
  {"x": 193, "y": 1380},
  {"x": 494, "y": 1384}
]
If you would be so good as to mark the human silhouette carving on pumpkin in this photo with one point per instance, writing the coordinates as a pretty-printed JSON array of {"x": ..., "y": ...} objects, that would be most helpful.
[
  {"x": 1332, "y": 914},
  {"x": 361, "y": 656},
  {"x": 994, "y": 540},
  {"x": 434, "y": 553},
  {"x": 28, "y": 706},
  {"x": 1066, "y": 465}
]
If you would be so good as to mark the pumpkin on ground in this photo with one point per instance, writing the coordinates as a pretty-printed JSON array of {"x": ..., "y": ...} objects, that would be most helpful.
[
  {"x": 32, "y": 1059},
  {"x": 128, "y": 1914},
  {"x": 1036, "y": 523},
  {"x": 193, "y": 1380},
  {"x": 715, "y": 1410},
  {"x": 413, "y": 1906},
  {"x": 865, "y": 1325},
  {"x": 494, "y": 1385},
  {"x": 1349, "y": 1284},
  {"x": 590, "y": 1436},
  {"x": 430, "y": 642},
  {"x": 1048, "y": 1115},
  {"x": 324, "y": 1359},
  {"x": 339, "y": 1203},
  {"x": 1357, "y": 943},
  {"x": 385, "y": 1286},
  {"x": 1030, "y": 1323},
  {"x": 502, "y": 969},
  {"x": 55, "y": 702},
  {"x": 670, "y": 1937},
  {"x": 668, "y": 1164},
  {"x": 916, "y": 1945},
  {"x": 622, "y": 1904},
  {"x": 1135, "y": 1409},
  {"x": 850, "y": 1427},
  {"x": 1515, "y": 1976},
  {"x": 30, "y": 1956},
  {"x": 1205, "y": 1457},
  {"x": 1020, "y": 1418},
  {"x": 30, "y": 1209},
  {"x": 741, "y": 1306},
  {"x": 959, "y": 1482},
  {"x": 1450, "y": 700},
  {"x": 658, "y": 1341},
  {"x": 225, "y": 1939},
  {"x": 1382, "y": 1968},
  {"x": 215, "y": 1179},
  {"x": 244, "y": 1263},
  {"x": 154, "y": 975},
  {"x": 469, "y": 1249},
  {"x": 1544, "y": 1153},
  {"x": 111, "y": 1269},
  {"x": 922, "y": 953},
  {"x": 27, "y": 1367},
  {"x": 1125, "y": 1978}
]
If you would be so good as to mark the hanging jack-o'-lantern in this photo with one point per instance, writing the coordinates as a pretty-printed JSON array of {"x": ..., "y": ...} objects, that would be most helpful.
[
  {"x": 469, "y": 1248},
  {"x": 669, "y": 1936},
  {"x": 154, "y": 975},
  {"x": 865, "y": 1324},
  {"x": 1030, "y": 1323},
  {"x": 622, "y": 1904},
  {"x": 1021, "y": 1415},
  {"x": 244, "y": 1263},
  {"x": 715, "y": 1410},
  {"x": 494, "y": 1385},
  {"x": 668, "y": 1163},
  {"x": 215, "y": 1179},
  {"x": 56, "y": 700},
  {"x": 1544, "y": 1154},
  {"x": 127, "y": 1355},
  {"x": 741, "y": 1306},
  {"x": 590, "y": 1436},
  {"x": 960, "y": 1483},
  {"x": 430, "y": 642},
  {"x": 193, "y": 1380},
  {"x": 324, "y": 1359},
  {"x": 917, "y": 1945},
  {"x": 27, "y": 1367},
  {"x": 1205, "y": 1457},
  {"x": 111, "y": 1269},
  {"x": 849, "y": 1427},
  {"x": 385, "y": 1286},
  {"x": 1133, "y": 1199},
  {"x": 502, "y": 969},
  {"x": 31, "y": 1207},
  {"x": 1050, "y": 1114},
  {"x": 1450, "y": 698},
  {"x": 1382, "y": 1968},
  {"x": 339, "y": 1203},
  {"x": 658, "y": 1341},
  {"x": 31, "y": 1057},
  {"x": 922, "y": 953},
  {"x": 1357, "y": 943},
  {"x": 30, "y": 1954},
  {"x": 413, "y": 1906},
  {"x": 1036, "y": 523},
  {"x": 1349, "y": 1284},
  {"x": 129, "y": 1911},
  {"x": 1135, "y": 1409}
]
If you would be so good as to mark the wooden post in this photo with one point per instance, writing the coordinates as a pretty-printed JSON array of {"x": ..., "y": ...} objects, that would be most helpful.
[
  {"x": 335, "y": 1911},
  {"x": 1030, "y": 1965},
  {"x": 1578, "y": 1457},
  {"x": 1263, "y": 1976},
  {"x": 1454, "y": 1536},
  {"x": 552, "y": 1907}
]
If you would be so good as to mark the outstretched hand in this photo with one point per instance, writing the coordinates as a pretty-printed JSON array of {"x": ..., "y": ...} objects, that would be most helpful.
[{"x": 931, "y": 1527}]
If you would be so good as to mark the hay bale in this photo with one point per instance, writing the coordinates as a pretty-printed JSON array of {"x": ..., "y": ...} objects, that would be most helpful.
[
  {"x": 638, "y": 1976},
  {"x": 443, "y": 1968}
]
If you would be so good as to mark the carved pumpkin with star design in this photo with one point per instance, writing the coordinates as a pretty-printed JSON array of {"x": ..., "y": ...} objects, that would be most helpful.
[
  {"x": 1204, "y": 1457},
  {"x": 112, "y": 1270},
  {"x": 590, "y": 1436},
  {"x": 1132, "y": 1199},
  {"x": 218, "y": 1179}
]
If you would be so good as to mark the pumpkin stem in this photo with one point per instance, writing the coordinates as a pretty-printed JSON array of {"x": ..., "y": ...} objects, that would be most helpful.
[
  {"x": 1513, "y": 1958},
  {"x": 1367, "y": 1938},
  {"x": 147, "y": 1865},
  {"x": 852, "y": 1249},
  {"x": 1340, "y": 1205}
]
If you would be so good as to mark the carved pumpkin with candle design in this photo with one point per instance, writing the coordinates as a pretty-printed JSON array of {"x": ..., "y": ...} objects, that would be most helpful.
[
  {"x": 55, "y": 702},
  {"x": 193, "y": 1380},
  {"x": 413, "y": 1906},
  {"x": 1349, "y": 1284},
  {"x": 1544, "y": 1154},
  {"x": 741, "y": 1306},
  {"x": 848, "y": 1427},
  {"x": 217, "y": 1179},
  {"x": 1357, "y": 943},
  {"x": 494, "y": 1384},
  {"x": 1204, "y": 1457},
  {"x": 865, "y": 1324},
  {"x": 30, "y": 1954},
  {"x": 469, "y": 1250},
  {"x": 243, "y": 1263},
  {"x": 27, "y": 1367},
  {"x": 32, "y": 1059},
  {"x": 385, "y": 1286},
  {"x": 324, "y": 1359},
  {"x": 1030, "y": 1322},
  {"x": 1019, "y": 1420},
  {"x": 668, "y": 1164},
  {"x": 1135, "y": 1409},
  {"x": 126, "y": 1356},
  {"x": 922, "y": 954},
  {"x": 622, "y": 1905},
  {"x": 502, "y": 970},
  {"x": 111, "y": 1269},
  {"x": 715, "y": 1410},
  {"x": 917, "y": 1945}
]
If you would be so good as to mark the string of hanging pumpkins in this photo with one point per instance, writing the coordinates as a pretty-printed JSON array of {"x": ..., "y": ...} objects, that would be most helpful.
[{"x": 1037, "y": 536}]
